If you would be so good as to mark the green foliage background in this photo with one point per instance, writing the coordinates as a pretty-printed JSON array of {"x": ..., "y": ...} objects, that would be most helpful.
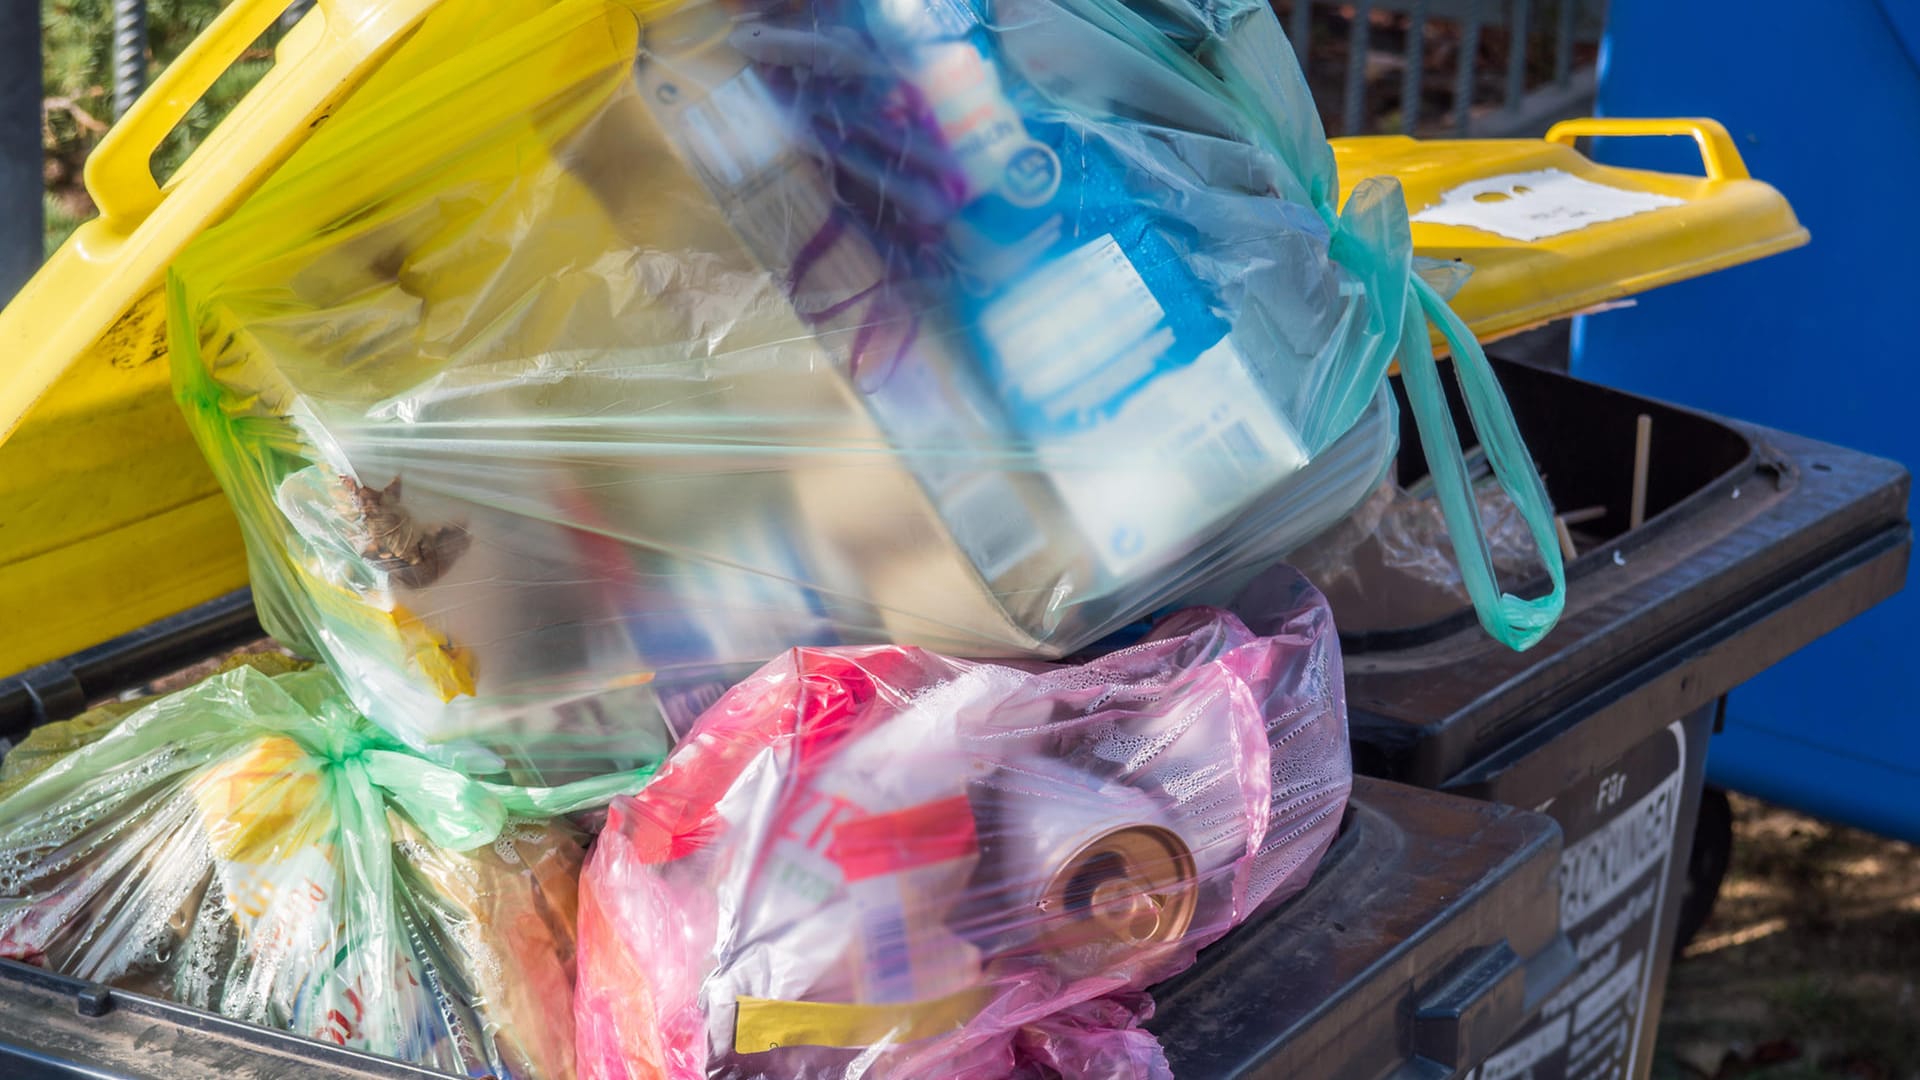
[{"x": 77, "y": 83}]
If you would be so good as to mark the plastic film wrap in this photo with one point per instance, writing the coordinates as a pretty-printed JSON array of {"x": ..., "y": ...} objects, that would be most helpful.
[
  {"x": 883, "y": 862},
  {"x": 565, "y": 375}
]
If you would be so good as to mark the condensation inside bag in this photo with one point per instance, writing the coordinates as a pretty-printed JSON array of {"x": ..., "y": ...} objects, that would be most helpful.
[
  {"x": 878, "y": 861},
  {"x": 596, "y": 351},
  {"x": 252, "y": 847}
]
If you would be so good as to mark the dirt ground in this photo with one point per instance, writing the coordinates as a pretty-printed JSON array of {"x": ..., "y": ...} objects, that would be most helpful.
[{"x": 1810, "y": 965}]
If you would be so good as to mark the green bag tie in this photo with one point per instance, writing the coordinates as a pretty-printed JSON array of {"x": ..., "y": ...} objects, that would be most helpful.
[
  {"x": 453, "y": 809},
  {"x": 460, "y": 813},
  {"x": 1372, "y": 237},
  {"x": 1518, "y": 622}
]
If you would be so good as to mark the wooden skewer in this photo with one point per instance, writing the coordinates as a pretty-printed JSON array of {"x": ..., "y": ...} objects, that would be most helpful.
[
  {"x": 1642, "y": 446},
  {"x": 1584, "y": 515},
  {"x": 1567, "y": 549}
]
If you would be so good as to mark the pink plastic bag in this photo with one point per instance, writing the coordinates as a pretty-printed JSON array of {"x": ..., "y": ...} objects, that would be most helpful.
[{"x": 884, "y": 862}]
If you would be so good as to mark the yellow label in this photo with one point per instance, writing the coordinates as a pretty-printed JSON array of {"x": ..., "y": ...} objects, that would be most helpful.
[
  {"x": 448, "y": 667},
  {"x": 764, "y": 1024},
  {"x": 252, "y": 805}
]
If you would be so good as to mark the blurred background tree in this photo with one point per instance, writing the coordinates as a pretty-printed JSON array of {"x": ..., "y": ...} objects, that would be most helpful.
[
  {"x": 77, "y": 84},
  {"x": 78, "y": 75}
]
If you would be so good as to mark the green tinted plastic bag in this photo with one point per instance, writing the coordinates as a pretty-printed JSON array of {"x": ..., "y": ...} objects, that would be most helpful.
[{"x": 252, "y": 846}]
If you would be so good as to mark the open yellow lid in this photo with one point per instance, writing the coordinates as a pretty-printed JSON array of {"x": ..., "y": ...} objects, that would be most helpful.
[
  {"x": 109, "y": 519},
  {"x": 77, "y": 302},
  {"x": 1550, "y": 234}
]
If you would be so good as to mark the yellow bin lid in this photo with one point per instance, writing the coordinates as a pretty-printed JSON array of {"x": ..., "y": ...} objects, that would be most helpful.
[
  {"x": 109, "y": 519},
  {"x": 1549, "y": 233}
]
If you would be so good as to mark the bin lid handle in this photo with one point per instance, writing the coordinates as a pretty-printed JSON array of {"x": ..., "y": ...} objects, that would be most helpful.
[{"x": 1717, "y": 150}]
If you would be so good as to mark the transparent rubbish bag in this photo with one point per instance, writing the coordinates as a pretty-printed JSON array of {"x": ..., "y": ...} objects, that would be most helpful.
[
  {"x": 584, "y": 360},
  {"x": 251, "y": 846},
  {"x": 882, "y": 862}
]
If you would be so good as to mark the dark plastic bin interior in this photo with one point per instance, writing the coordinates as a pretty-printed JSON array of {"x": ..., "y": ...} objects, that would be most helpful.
[
  {"x": 1698, "y": 458},
  {"x": 1756, "y": 542}
]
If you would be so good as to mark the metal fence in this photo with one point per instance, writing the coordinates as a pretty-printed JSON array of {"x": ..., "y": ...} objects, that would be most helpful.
[
  {"x": 1426, "y": 67},
  {"x": 20, "y": 170},
  {"x": 1464, "y": 67}
]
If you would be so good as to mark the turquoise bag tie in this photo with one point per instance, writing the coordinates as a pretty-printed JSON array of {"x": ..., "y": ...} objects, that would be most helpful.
[{"x": 1373, "y": 238}]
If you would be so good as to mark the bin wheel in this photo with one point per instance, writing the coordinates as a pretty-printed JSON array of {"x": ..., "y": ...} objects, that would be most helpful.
[{"x": 1706, "y": 866}]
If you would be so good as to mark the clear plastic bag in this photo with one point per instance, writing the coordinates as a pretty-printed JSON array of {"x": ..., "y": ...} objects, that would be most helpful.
[
  {"x": 882, "y": 862},
  {"x": 1388, "y": 566},
  {"x": 252, "y": 847},
  {"x": 586, "y": 358}
]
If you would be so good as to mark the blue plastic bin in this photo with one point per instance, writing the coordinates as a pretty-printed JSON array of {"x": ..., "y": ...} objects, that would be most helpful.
[{"x": 1824, "y": 100}]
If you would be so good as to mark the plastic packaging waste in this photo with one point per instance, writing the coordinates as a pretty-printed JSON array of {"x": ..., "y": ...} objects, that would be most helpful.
[
  {"x": 1388, "y": 567},
  {"x": 882, "y": 862},
  {"x": 252, "y": 847},
  {"x": 562, "y": 377}
]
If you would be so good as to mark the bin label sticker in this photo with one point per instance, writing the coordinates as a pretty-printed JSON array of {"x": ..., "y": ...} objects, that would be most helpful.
[
  {"x": 1519, "y": 1058},
  {"x": 1596, "y": 869},
  {"x": 1614, "y": 873},
  {"x": 1533, "y": 206}
]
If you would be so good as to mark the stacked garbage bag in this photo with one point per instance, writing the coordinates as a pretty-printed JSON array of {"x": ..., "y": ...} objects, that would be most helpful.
[
  {"x": 252, "y": 846},
  {"x": 884, "y": 862},
  {"x": 807, "y": 394}
]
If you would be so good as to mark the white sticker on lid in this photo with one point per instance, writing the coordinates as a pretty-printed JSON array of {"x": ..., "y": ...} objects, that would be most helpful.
[{"x": 1536, "y": 205}]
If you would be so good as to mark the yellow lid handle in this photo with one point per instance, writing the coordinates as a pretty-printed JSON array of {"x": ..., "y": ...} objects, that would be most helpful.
[
  {"x": 1717, "y": 150},
  {"x": 119, "y": 172}
]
